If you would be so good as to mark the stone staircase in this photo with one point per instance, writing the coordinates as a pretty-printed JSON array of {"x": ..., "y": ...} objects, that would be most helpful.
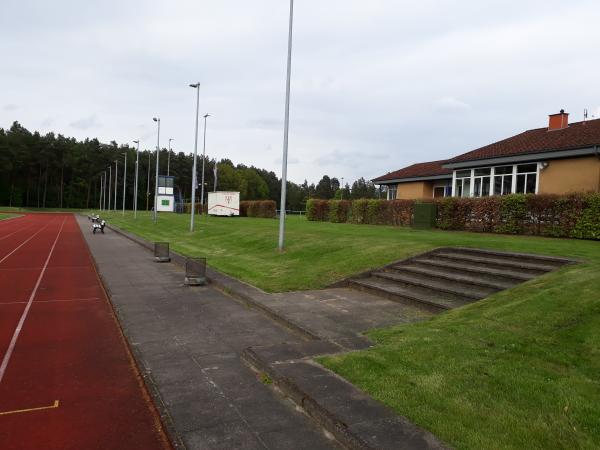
[{"x": 451, "y": 277}]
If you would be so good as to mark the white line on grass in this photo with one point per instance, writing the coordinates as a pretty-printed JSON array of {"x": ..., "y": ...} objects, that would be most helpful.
[{"x": 13, "y": 341}]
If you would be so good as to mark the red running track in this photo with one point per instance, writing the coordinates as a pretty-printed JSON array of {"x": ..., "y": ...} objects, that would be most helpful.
[{"x": 67, "y": 380}]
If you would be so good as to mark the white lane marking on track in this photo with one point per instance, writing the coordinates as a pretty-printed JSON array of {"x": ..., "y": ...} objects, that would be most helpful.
[
  {"x": 54, "y": 301},
  {"x": 26, "y": 241},
  {"x": 15, "y": 232},
  {"x": 17, "y": 332}
]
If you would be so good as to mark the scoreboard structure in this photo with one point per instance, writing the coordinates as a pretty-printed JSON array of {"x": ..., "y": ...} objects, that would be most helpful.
[{"x": 165, "y": 199}]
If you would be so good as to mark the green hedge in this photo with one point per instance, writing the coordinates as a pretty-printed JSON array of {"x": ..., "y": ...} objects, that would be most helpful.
[
  {"x": 574, "y": 215},
  {"x": 363, "y": 211},
  {"x": 318, "y": 210},
  {"x": 266, "y": 209}
]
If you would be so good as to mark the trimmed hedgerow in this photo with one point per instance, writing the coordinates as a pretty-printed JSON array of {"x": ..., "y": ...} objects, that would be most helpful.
[
  {"x": 317, "y": 210},
  {"x": 588, "y": 224},
  {"x": 339, "y": 211},
  {"x": 266, "y": 209},
  {"x": 574, "y": 215}
]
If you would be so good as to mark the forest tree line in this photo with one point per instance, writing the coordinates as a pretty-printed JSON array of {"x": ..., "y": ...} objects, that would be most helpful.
[{"x": 54, "y": 171}]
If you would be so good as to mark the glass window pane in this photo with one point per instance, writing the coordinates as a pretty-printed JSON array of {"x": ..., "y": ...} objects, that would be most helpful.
[
  {"x": 480, "y": 172},
  {"x": 463, "y": 173},
  {"x": 459, "y": 188},
  {"x": 485, "y": 186},
  {"x": 507, "y": 188},
  {"x": 497, "y": 185},
  {"x": 503, "y": 170},
  {"x": 466, "y": 187},
  {"x": 521, "y": 184},
  {"x": 477, "y": 187},
  {"x": 524, "y": 168},
  {"x": 530, "y": 185}
]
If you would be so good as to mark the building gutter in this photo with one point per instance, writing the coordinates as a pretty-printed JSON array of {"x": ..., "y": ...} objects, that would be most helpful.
[
  {"x": 540, "y": 156},
  {"x": 407, "y": 180}
]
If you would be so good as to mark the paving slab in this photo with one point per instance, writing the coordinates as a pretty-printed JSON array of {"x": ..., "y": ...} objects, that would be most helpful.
[{"x": 188, "y": 342}]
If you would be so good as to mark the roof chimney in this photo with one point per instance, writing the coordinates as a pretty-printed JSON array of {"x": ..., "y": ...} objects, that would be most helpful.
[{"x": 558, "y": 121}]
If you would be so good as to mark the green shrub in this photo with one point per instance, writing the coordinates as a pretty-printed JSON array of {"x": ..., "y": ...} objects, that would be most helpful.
[
  {"x": 359, "y": 210},
  {"x": 401, "y": 212},
  {"x": 339, "y": 211},
  {"x": 588, "y": 224},
  {"x": 317, "y": 210},
  {"x": 266, "y": 209}
]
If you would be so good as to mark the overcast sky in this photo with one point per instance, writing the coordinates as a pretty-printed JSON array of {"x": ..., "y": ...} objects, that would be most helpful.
[{"x": 376, "y": 85}]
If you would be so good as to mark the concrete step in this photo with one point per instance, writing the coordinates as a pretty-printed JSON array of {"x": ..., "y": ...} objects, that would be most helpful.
[
  {"x": 495, "y": 262},
  {"x": 465, "y": 268},
  {"x": 445, "y": 285},
  {"x": 446, "y": 275},
  {"x": 409, "y": 294},
  {"x": 510, "y": 256}
]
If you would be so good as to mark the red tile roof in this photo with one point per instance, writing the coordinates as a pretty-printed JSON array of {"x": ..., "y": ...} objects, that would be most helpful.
[
  {"x": 420, "y": 170},
  {"x": 539, "y": 140}
]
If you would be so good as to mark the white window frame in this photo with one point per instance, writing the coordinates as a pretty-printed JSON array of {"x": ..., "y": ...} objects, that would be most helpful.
[
  {"x": 513, "y": 188},
  {"x": 526, "y": 174},
  {"x": 394, "y": 188},
  {"x": 473, "y": 177}
]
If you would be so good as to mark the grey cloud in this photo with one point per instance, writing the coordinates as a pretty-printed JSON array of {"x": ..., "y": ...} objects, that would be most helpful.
[{"x": 85, "y": 123}]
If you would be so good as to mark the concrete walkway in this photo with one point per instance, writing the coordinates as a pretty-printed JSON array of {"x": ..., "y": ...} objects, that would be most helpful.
[{"x": 189, "y": 341}]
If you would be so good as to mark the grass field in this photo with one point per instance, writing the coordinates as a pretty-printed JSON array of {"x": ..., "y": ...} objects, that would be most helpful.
[
  {"x": 520, "y": 369},
  {"x": 4, "y": 216}
]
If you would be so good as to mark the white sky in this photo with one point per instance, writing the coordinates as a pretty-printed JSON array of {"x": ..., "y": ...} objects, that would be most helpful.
[{"x": 376, "y": 85}]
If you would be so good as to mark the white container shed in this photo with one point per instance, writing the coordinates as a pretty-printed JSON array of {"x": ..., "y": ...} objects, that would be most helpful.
[{"x": 224, "y": 203}]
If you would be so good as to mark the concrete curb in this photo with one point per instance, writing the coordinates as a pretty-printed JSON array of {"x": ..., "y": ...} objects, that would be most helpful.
[{"x": 397, "y": 433}]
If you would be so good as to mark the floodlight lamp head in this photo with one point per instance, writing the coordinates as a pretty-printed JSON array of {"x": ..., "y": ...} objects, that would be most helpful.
[
  {"x": 136, "y": 142},
  {"x": 206, "y": 115},
  {"x": 194, "y": 85},
  {"x": 155, "y": 119}
]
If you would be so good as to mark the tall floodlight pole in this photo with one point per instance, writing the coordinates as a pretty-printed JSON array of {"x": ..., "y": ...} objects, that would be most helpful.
[
  {"x": 157, "y": 120},
  {"x": 104, "y": 192},
  {"x": 148, "y": 187},
  {"x": 116, "y": 183},
  {"x": 135, "y": 189},
  {"x": 203, "y": 160},
  {"x": 215, "y": 170},
  {"x": 169, "y": 157},
  {"x": 101, "y": 188},
  {"x": 342, "y": 190},
  {"x": 124, "y": 180},
  {"x": 286, "y": 132},
  {"x": 109, "y": 184},
  {"x": 194, "y": 182}
]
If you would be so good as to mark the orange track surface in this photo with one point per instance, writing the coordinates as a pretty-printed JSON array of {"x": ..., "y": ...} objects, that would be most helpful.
[{"x": 67, "y": 380}]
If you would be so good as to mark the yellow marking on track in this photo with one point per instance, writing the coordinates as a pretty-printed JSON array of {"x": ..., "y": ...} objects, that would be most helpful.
[{"x": 40, "y": 408}]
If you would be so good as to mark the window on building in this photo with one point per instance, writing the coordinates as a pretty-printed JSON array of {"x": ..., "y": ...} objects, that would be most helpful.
[
  {"x": 526, "y": 178},
  {"x": 463, "y": 183},
  {"x": 481, "y": 182},
  {"x": 503, "y": 180},
  {"x": 392, "y": 192}
]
